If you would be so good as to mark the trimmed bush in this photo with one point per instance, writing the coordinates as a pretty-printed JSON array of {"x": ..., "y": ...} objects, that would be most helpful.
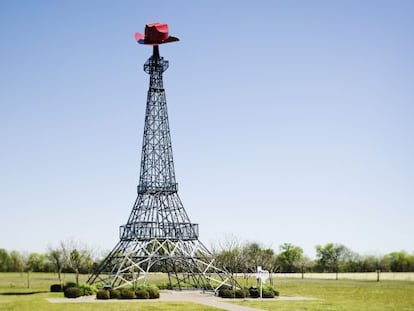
[
  {"x": 142, "y": 286},
  {"x": 103, "y": 294},
  {"x": 56, "y": 288},
  {"x": 240, "y": 293},
  {"x": 127, "y": 293},
  {"x": 222, "y": 289},
  {"x": 72, "y": 292},
  {"x": 225, "y": 287},
  {"x": 142, "y": 294},
  {"x": 268, "y": 294},
  {"x": 226, "y": 293},
  {"x": 114, "y": 293},
  {"x": 254, "y": 292},
  {"x": 87, "y": 289},
  {"x": 153, "y": 292},
  {"x": 68, "y": 285}
]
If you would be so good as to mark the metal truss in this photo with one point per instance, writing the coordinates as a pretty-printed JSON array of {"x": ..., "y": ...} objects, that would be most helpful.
[
  {"x": 187, "y": 263},
  {"x": 159, "y": 235}
]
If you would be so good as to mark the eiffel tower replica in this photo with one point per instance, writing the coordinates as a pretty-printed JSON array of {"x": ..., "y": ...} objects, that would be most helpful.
[{"x": 159, "y": 235}]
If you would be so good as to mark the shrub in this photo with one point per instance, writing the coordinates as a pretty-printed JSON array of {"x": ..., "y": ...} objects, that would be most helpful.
[
  {"x": 240, "y": 293},
  {"x": 254, "y": 292},
  {"x": 114, "y": 293},
  {"x": 226, "y": 293},
  {"x": 164, "y": 285},
  {"x": 142, "y": 294},
  {"x": 56, "y": 288},
  {"x": 100, "y": 285},
  {"x": 72, "y": 292},
  {"x": 87, "y": 289},
  {"x": 268, "y": 294},
  {"x": 68, "y": 285},
  {"x": 223, "y": 289},
  {"x": 143, "y": 286},
  {"x": 270, "y": 289},
  {"x": 127, "y": 293},
  {"x": 103, "y": 294},
  {"x": 153, "y": 292}
]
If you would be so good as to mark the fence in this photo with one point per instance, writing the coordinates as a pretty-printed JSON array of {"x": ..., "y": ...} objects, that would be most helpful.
[{"x": 397, "y": 276}]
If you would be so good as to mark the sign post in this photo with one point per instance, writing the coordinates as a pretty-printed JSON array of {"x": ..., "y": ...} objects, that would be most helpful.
[{"x": 263, "y": 275}]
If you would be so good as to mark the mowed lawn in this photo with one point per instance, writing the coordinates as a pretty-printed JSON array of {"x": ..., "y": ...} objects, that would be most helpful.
[
  {"x": 331, "y": 295},
  {"x": 341, "y": 295},
  {"x": 15, "y": 295}
]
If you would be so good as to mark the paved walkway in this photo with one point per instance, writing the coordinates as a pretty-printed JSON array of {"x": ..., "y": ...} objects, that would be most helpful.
[
  {"x": 190, "y": 296},
  {"x": 204, "y": 299}
]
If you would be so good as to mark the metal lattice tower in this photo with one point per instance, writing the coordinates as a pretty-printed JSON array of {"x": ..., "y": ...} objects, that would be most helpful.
[{"x": 159, "y": 235}]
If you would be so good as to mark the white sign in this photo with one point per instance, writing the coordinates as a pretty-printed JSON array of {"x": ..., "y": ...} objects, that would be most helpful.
[{"x": 263, "y": 275}]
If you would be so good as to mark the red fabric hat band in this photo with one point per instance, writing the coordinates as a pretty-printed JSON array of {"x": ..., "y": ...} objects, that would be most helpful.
[{"x": 155, "y": 33}]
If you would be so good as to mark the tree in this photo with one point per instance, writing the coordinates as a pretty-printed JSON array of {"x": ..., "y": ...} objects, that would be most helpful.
[
  {"x": 252, "y": 253},
  {"x": 353, "y": 262},
  {"x": 331, "y": 256},
  {"x": 75, "y": 262},
  {"x": 230, "y": 260},
  {"x": 400, "y": 261},
  {"x": 4, "y": 260},
  {"x": 56, "y": 256},
  {"x": 36, "y": 262},
  {"x": 305, "y": 265},
  {"x": 254, "y": 256},
  {"x": 269, "y": 262},
  {"x": 384, "y": 263},
  {"x": 16, "y": 262},
  {"x": 290, "y": 257},
  {"x": 369, "y": 264},
  {"x": 77, "y": 257},
  {"x": 230, "y": 255}
]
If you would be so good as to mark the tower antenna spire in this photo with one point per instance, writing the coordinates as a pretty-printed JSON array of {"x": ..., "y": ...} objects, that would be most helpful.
[{"x": 156, "y": 51}]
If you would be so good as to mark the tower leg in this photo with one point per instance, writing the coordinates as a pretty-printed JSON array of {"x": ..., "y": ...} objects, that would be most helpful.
[{"x": 188, "y": 264}]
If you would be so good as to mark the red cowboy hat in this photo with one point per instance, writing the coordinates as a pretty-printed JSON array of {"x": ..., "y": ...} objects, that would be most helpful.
[{"x": 155, "y": 33}]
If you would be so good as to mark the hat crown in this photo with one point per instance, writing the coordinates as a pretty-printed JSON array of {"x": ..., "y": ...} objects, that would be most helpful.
[{"x": 157, "y": 32}]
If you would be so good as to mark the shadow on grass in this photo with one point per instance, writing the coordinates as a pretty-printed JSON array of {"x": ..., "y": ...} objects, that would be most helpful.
[{"x": 20, "y": 293}]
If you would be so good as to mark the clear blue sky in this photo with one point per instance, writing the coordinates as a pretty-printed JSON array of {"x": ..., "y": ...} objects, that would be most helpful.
[{"x": 291, "y": 121}]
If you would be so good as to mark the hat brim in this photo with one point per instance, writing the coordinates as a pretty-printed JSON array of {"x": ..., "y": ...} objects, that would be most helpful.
[{"x": 140, "y": 38}]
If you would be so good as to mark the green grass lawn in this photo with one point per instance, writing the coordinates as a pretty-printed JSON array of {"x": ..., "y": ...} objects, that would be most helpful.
[
  {"x": 15, "y": 295},
  {"x": 341, "y": 295},
  {"x": 332, "y": 295}
]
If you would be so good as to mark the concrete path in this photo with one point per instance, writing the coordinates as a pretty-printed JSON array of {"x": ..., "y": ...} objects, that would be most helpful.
[
  {"x": 204, "y": 299},
  {"x": 179, "y": 296}
]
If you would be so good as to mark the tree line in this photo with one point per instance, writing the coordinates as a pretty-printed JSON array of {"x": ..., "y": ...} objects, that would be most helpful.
[
  {"x": 234, "y": 256},
  {"x": 337, "y": 258},
  {"x": 68, "y": 256}
]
